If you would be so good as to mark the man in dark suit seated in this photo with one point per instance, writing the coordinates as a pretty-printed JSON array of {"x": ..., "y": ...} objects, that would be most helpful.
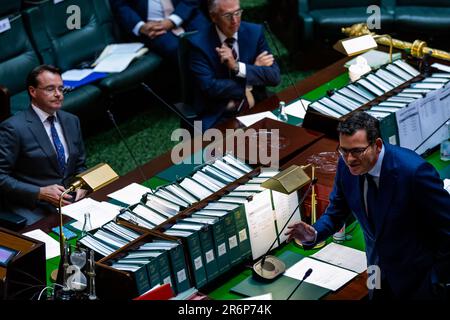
[
  {"x": 231, "y": 64},
  {"x": 402, "y": 207},
  {"x": 157, "y": 23},
  {"x": 41, "y": 148}
]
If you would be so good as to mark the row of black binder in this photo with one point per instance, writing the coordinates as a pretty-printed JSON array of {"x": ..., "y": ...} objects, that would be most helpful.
[{"x": 366, "y": 89}]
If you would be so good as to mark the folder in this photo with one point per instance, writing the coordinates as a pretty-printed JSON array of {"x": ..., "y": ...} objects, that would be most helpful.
[
  {"x": 139, "y": 274},
  {"x": 151, "y": 265},
  {"x": 195, "y": 255}
]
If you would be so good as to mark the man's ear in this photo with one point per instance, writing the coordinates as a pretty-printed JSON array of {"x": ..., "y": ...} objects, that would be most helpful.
[
  {"x": 32, "y": 91},
  {"x": 379, "y": 143}
]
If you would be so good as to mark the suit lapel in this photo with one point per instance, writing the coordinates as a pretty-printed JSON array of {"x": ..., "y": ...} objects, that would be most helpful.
[
  {"x": 38, "y": 130},
  {"x": 387, "y": 187},
  {"x": 243, "y": 42},
  {"x": 66, "y": 131}
]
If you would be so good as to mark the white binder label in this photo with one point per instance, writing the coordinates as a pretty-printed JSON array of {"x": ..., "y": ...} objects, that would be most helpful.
[
  {"x": 393, "y": 140},
  {"x": 167, "y": 280},
  {"x": 4, "y": 25},
  {"x": 209, "y": 256},
  {"x": 198, "y": 263},
  {"x": 232, "y": 241},
  {"x": 222, "y": 249},
  {"x": 181, "y": 275},
  {"x": 243, "y": 235}
]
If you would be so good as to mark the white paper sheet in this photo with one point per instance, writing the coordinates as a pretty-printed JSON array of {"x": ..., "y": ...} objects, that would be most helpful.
[
  {"x": 100, "y": 213},
  {"x": 295, "y": 109},
  {"x": 115, "y": 62},
  {"x": 52, "y": 248},
  {"x": 131, "y": 194},
  {"x": 324, "y": 275},
  {"x": 76, "y": 74},
  {"x": 253, "y": 118},
  {"x": 432, "y": 115},
  {"x": 342, "y": 256},
  {"x": 409, "y": 129},
  {"x": 267, "y": 296},
  {"x": 261, "y": 226},
  {"x": 447, "y": 185},
  {"x": 441, "y": 67},
  {"x": 284, "y": 206}
]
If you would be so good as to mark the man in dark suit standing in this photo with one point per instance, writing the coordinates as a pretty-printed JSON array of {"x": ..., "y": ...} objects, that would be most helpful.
[
  {"x": 401, "y": 205},
  {"x": 41, "y": 148},
  {"x": 231, "y": 64},
  {"x": 158, "y": 23}
]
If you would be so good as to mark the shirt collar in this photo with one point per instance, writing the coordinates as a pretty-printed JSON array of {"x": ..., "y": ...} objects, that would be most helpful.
[
  {"x": 223, "y": 37},
  {"x": 376, "y": 170},
  {"x": 42, "y": 114}
]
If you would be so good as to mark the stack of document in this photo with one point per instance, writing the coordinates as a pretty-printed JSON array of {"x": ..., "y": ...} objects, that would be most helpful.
[
  {"x": 99, "y": 213},
  {"x": 156, "y": 262},
  {"x": 117, "y": 57},
  {"x": 52, "y": 247},
  {"x": 169, "y": 200},
  {"x": 418, "y": 112},
  {"x": 366, "y": 89},
  {"x": 109, "y": 238}
]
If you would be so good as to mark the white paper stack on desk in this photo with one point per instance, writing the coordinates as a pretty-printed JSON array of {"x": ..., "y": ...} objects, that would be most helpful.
[{"x": 366, "y": 89}]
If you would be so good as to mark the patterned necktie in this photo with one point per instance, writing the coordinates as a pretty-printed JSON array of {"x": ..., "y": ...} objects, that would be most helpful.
[
  {"x": 372, "y": 200},
  {"x": 60, "y": 155},
  {"x": 230, "y": 43}
]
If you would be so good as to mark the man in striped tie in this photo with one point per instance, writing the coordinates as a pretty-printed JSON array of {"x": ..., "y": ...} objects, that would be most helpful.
[
  {"x": 41, "y": 148},
  {"x": 231, "y": 64}
]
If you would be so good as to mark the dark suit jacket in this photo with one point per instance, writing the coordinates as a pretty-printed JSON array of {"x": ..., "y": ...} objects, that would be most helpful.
[
  {"x": 411, "y": 240},
  {"x": 214, "y": 87},
  {"x": 130, "y": 12},
  {"x": 28, "y": 159}
]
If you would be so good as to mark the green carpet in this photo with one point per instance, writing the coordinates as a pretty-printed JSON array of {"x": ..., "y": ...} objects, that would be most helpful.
[{"x": 148, "y": 132}]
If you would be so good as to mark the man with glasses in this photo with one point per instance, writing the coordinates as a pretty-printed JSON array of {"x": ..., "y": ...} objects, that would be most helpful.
[
  {"x": 401, "y": 206},
  {"x": 158, "y": 23},
  {"x": 41, "y": 148},
  {"x": 231, "y": 64}
]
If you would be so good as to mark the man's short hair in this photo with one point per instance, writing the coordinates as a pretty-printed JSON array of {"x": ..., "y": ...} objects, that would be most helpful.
[
  {"x": 32, "y": 76},
  {"x": 360, "y": 121},
  {"x": 212, "y": 4}
]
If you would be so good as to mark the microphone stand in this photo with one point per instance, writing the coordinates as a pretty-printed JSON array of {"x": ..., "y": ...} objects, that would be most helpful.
[
  {"x": 113, "y": 120},
  {"x": 261, "y": 264},
  {"x": 272, "y": 39},
  {"x": 307, "y": 274}
]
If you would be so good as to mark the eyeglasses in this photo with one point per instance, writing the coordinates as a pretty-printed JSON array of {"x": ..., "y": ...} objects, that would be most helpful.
[
  {"x": 51, "y": 89},
  {"x": 230, "y": 15},
  {"x": 355, "y": 152}
]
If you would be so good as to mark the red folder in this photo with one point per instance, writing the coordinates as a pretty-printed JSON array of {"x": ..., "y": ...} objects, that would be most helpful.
[{"x": 163, "y": 292}]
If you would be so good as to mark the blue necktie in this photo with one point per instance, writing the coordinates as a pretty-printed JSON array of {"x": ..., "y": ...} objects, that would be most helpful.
[
  {"x": 372, "y": 200},
  {"x": 60, "y": 155}
]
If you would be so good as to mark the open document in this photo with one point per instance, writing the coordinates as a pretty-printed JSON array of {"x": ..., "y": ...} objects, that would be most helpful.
[
  {"x": 323, "y": 274},
  {"x": 342, "y": 256}
]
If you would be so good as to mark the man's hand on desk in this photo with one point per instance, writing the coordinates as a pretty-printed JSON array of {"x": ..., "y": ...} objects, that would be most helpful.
[
  {"x": 153, "y": 29},
  {"x": 52, "y": 193},
  {"x": 264, "y": 59},
  {"x": 301, "y": 231}
]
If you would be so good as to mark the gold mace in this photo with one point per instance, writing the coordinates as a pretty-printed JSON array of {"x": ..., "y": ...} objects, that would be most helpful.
[{"x": 418, "y": 48}]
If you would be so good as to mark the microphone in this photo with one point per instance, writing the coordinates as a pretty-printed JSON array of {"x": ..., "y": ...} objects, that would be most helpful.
[
  {"x": 288, "y": 74},
  {"x": 307, "y": 274},
  {"x": 270, "y": 267},
  {"x": 182, "y": 116},
  {"x": 113, "y": 120}
]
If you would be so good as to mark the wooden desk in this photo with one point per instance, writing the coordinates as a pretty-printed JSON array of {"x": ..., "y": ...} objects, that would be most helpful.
[{"x": 355, "y": 289}]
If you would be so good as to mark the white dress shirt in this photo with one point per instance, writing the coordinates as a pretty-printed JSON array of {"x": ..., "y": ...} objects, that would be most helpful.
[
  {"x": 43, "y": 116},
  {"x": 156, "y": 13}
]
